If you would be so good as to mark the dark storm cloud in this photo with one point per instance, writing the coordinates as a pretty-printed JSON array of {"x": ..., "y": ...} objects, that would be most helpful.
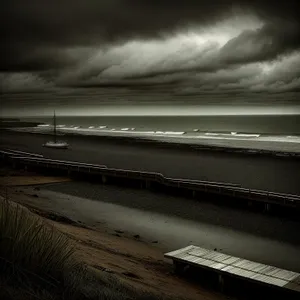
[
  {"x": 34, "y": 32},
  {"x": 155, "y": 50},
  {"x": 262, "y": 44}
]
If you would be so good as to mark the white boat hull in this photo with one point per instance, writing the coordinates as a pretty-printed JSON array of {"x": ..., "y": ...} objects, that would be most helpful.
[{"x": 57, "y": 145}]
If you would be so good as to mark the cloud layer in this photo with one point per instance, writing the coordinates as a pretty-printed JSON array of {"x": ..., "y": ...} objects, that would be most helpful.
[{"x": 185, "y": 48}]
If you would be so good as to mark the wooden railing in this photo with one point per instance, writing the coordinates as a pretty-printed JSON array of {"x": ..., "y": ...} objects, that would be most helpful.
[{"x": 226, "y": 189}]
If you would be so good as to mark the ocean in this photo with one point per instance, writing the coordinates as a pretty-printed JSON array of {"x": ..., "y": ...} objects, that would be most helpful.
[
  {"x": 251, "y": 124},
  {"x": 279, "y": 133}
]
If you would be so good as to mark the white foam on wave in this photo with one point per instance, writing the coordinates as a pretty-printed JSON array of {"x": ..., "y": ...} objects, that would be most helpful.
[
  {"x": 175, "y": 132},
  {"x": 130, "y": 131},
  {"x": 293, "y": 137},
  {"x": 181, "y": 134},
  {"x": 232, "y": 135},
  {"x": 211, "y": 134},
  {"x": 275, "y": 143},
  {"x": 248, "y": 135}
]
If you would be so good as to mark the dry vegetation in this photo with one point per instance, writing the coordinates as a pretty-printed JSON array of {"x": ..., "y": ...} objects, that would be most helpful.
[
  {"x": 39, "y": 262},
  {"x": 45, "y": 255}
]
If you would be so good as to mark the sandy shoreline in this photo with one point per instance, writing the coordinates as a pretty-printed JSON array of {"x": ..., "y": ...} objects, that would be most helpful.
[
  {"x": 132, "y": 260},
  {"x": 170, "y": 222}
]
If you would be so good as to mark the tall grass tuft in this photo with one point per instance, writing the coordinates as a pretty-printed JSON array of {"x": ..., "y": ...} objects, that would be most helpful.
[
  {"x": 38, "y": 262},
  {"x": 33, "y": 251}
]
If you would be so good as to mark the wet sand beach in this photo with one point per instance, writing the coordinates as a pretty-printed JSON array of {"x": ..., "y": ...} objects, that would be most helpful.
[
  {"x": 106, "y": 250},
  {"x": 125, "y": 231},
  {"x": 173, "y": 222},
  {"x": 176, "y": 222}
]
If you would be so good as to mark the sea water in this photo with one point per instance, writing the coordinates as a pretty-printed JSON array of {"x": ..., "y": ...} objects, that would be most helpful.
[
  {"x": 263, "y": 125},
  {"x": 280, "y": 133}
]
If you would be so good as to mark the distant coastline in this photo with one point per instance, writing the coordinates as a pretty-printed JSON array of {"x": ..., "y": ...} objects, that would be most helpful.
[{"x": 15, "y": 122}]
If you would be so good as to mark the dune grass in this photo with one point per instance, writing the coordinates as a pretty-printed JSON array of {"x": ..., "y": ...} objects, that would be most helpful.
[
  {"x": 33, "y": 253},
  {"x": 39, "y": 262}
]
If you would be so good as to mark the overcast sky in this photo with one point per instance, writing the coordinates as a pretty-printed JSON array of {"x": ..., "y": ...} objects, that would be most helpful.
[{"x": 78, "y": 55}]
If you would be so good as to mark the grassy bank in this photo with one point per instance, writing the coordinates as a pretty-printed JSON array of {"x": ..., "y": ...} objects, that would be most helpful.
[{"x": 39, "y": 262}]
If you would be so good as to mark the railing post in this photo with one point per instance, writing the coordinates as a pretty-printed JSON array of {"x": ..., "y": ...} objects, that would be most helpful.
[
  {"x": 267, "y": 206},
  {"x": 265, "y": 198},
  {"x": 221, "y": 282},
  {"x": 148, "y": 184},
  {"x": 179, "y": 267}
]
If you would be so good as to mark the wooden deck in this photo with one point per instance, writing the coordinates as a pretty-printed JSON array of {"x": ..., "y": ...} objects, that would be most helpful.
[{"x": 242, "y": 269}]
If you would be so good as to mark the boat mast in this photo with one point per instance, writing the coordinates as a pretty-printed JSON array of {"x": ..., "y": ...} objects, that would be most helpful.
[{"x": 54, "y": 127}]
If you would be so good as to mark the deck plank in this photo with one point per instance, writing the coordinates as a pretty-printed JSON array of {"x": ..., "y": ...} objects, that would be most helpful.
[{"x": 238, "y": 267}]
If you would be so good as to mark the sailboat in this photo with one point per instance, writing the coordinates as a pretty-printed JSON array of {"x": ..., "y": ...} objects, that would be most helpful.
[{"x": 55, "y": 143}]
